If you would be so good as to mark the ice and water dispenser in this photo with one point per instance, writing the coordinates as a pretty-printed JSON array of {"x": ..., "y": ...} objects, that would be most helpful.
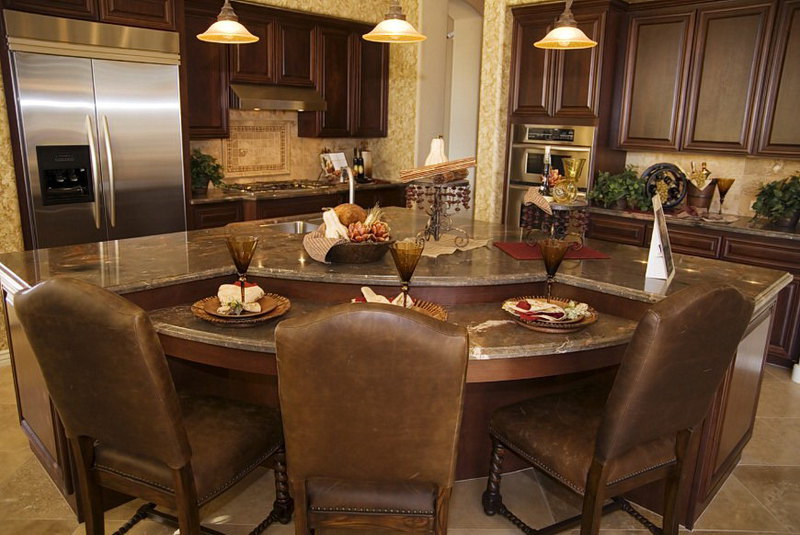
[{"x": 65, "y": 174}]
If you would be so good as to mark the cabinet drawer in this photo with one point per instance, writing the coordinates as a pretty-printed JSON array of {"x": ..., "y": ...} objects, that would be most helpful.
[
  {"x": 295, "y": 206},
  {"x": 762, "y": 253},
  {"x": 217, "y": 215},
  {"x": 690, "y": 242},
  {"x": 617, "y": 230}
]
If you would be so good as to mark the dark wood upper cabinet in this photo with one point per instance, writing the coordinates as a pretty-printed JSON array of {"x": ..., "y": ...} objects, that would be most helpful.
[
  {"x": 655, "y": 75},
  {"x": 296, "y": 43},
  {"x": 157, "y": 14},
  {"x": 727, "y": 72},
  {"x": 531, "y": 86},
  {"x": 254, "y": 62},
  {"x": 371, "y": 89},
  {"x": 576, "y": 91},
  {"x": 207, "y": 75},
  {"x": 780, "y": 133},
  {"x": 77, "y": 9}
]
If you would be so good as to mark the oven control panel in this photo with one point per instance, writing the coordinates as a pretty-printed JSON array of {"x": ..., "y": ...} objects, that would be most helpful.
[{"x": 551, "y": 134}]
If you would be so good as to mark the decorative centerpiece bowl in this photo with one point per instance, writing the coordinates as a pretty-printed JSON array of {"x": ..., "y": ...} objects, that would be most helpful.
[{"x": 358, "y": 253}]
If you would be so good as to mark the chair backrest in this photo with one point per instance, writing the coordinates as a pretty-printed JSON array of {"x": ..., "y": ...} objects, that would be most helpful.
[
  {"x": 371, "y": 392},
  {"x": 673, "y": 366},
  {"x": 104, "y": 368}
]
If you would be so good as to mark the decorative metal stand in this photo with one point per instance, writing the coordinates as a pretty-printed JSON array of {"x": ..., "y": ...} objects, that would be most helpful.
[
  {"x": 437, "y": 199},
  {"x": 567, "y": 220}
]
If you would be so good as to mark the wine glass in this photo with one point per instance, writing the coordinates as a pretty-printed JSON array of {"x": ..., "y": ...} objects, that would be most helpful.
[
  {"x": 723, "y": 185},
  {"x": 406, "y": 255},
  {"x": 553, "y": 252},
  {"x": 242, "y": 249}
]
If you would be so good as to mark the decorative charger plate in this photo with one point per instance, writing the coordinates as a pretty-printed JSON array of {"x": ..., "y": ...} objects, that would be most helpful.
[
  {"x": 434, "y": 310},
  {"x": 667, "y": 181},
  {"x": 268, "y": 304},
  {"x": 553, "y": 327},
  {"x": 199, "y": 310}
]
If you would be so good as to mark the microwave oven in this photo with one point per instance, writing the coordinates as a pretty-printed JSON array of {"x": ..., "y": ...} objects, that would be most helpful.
[{"x": 530, "y": 142}]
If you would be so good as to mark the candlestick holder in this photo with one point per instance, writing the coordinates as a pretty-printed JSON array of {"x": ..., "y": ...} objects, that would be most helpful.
[{"x": 436, "y": 199}]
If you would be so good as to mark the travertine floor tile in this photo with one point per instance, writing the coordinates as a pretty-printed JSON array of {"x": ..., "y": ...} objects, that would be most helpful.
[
  {"x": 28, "y": 493},
  {"x": 11, "y": 436},
  {"x": 6, "y": 386},
  {"x": 777, "y": 488},
  {"x": 37, "y": 527},
  {"x": 780, "y": 397},
  {"x": 735, "y": 508},
  {"x": 774, "y": 443}
]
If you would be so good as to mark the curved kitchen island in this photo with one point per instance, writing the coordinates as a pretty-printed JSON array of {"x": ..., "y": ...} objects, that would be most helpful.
[{"x": 165, "y": 274}]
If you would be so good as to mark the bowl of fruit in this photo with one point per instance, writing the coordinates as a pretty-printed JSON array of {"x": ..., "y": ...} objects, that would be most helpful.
[{"x": 367, "y": 233}]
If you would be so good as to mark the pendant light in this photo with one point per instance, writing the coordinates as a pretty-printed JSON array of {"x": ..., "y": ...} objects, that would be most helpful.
[
  {"x": 227, "y": 30},
  {"x": 566, "y": 35},
  {"x": 394, "y": 28}
]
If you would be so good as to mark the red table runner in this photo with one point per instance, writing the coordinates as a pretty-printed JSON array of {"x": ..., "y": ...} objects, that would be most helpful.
[{"x": 523, "y": 251}]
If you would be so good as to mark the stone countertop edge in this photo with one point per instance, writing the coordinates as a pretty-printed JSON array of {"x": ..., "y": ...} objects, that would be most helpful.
[
  {"x": 217, "y": 196},
  {"x": 742, "y": 225}
]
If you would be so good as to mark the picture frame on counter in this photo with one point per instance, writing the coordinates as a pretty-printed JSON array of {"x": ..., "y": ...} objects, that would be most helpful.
[
  {"x": 660, "y": 262},
  {"x": 332, "y": 164}
]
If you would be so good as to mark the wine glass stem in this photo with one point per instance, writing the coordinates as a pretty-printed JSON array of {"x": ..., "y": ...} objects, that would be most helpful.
[
  {"x": 549, "y": 286},
  {"x": 242, "y": 280},
  {"x": 404, "y": 289}
]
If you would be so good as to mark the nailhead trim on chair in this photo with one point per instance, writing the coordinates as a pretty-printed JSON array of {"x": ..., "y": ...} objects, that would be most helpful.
[
  {"x": 131, "y": 476},
  {"x": 369, "y": 510}
]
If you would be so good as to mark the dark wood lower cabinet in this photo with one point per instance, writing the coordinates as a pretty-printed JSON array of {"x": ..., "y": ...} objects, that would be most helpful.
[
  {"x": 216, "y": 214},
  {"x": 784, "y": 255}
]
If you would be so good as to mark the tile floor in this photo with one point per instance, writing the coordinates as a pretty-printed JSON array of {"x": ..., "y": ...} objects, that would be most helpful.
[{"x": 762, "y": 495}]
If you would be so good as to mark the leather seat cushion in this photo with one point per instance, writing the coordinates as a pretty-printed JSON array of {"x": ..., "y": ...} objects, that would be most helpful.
[
  {"x": 557, "y": 434},
  {"x": 228, "y": 440},
  {"x": 380, "y": 497}
]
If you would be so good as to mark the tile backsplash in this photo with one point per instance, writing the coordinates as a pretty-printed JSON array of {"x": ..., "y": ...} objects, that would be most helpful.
[
  {"x": 750, "y": 173},
  {"x": 264, "y": 146}
]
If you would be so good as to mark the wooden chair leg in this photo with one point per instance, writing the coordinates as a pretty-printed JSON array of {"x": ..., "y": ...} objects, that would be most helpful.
[
  {"x": 301, "y": 526},
  {"x": 492, "y": 500},
  {"x": 673, "y": 483},
  {"x": 592, "y": 510},
  {"x": 186, "y": 501},
  {"x": 89, "y": 492},
  {"x": 284, "y": 505},
  {"x": 442, "y": 511}
]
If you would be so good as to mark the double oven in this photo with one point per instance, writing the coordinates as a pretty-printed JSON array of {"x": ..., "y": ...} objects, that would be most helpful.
[{"x": 528, "y": 145}]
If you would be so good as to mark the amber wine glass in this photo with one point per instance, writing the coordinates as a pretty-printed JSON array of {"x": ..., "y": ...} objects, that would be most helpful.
[
  {"x": 242, "y": 249},
  {"x": 406, "y": 255},
  {"x": 553, "y": 252},
  {"x": 724, "y": 185}
]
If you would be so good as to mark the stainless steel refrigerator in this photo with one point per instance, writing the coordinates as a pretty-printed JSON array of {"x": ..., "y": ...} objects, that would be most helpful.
[{"x": 100, "y": 123}]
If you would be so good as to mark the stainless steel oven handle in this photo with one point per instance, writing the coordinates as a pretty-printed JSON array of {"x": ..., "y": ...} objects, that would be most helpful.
[
  {"x": 111, "y": 183},
  {"x": 95, "y": 171}
]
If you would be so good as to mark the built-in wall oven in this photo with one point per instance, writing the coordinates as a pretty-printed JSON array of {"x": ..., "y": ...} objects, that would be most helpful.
[{"x": 528, "y": 145}]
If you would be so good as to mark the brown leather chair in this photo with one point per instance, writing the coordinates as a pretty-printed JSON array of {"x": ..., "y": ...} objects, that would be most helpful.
[
  {"x": 602, "y": 442},
  {"x": 371, "y": 397},
  {"x": 128, "y": 428}
]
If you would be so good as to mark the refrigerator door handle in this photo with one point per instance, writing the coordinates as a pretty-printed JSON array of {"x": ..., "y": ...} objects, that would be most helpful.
[
  {"x": 95, "y": 171},
  {"x": 112, "y": 186}
]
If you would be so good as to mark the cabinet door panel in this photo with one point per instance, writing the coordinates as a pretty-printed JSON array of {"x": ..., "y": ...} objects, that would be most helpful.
[
  {"x": 576, "y": 75},
  {"x": 617, "y": 230},
  {"x": 726, "y": 77},
  {"x": 531, "y": 79},
  {"x": 780, "y": 134},
  {"x": 216, "y": 214},
  {"x": 255, "y": 62},
  {"x": 158, "y": 14},
  {"x": 336, "y": 52},
  {"x": 79, "y": 9},
  {"x": 656, "y": 70},
  {"x": 296, "y": 41},
  {"x": 785, "y": 336},
  {"x": 207, "y": 80},
  {"x": 372, "y": 89}
]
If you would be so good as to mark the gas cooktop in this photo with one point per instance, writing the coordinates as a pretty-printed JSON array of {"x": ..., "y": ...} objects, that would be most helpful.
[{"x": 268, "y": 187}]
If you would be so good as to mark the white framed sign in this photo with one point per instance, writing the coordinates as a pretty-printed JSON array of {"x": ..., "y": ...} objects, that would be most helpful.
[{"x": 660, "y": 264}]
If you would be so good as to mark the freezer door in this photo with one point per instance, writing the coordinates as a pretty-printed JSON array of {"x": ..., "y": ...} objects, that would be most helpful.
[
  {"x": 139, "y": 119},
  {"x": 55, "y": 102}
]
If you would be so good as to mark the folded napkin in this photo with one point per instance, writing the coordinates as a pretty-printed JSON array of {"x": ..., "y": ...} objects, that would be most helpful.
[
  {"x": 230, "y": 297},
  {"x": 371, "y": 297},
  {"x": 317, "y": 245}
]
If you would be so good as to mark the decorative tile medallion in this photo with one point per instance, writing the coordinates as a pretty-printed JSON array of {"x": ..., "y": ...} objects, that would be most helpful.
[{"x": 257, "y": 150}]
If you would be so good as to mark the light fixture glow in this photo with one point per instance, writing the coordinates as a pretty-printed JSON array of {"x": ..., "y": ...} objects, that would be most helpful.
[
  {"x": 227, "y": 30},
  {"x": 394, "y": 28},
  {"x": 566, "y": 35}
]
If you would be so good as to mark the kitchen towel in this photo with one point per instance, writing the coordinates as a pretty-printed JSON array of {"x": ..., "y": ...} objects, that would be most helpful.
[{"x": 523, "y": 251}]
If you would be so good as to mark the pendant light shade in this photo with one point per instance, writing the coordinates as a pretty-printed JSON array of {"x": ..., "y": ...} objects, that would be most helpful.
[
  {"x": 227, "y": 30},
  {"x": 566, "y": 35},
  {"x": 394, "y": 28}
]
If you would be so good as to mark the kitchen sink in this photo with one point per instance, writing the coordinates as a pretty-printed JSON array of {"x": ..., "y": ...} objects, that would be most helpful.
[{"x": 293, "y": 227}]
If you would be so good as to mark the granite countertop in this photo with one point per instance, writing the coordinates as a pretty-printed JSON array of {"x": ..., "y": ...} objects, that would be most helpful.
[
  {"x": 136, "y": 264},
  {"x": 215, "y": 195},
  {"x": 741, "y": 224}
]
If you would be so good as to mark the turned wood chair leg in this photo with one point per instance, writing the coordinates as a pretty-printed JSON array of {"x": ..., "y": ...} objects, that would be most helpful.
[
  {"x": 442, "y": 511},
  {"x": 492, "y": 500},
  {"x": 186, "y": 501},
  {"x": 673, "y": 483},
  {"x": 592, "y": 510},
  {"x": 90, "y": 495},
  {"x": 283, "y": 505}
]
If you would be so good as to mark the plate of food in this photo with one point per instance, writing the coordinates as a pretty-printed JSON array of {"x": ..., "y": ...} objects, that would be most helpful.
[
  {"x": 550, "y": 316},
  {"x": 228, "y": 307}
]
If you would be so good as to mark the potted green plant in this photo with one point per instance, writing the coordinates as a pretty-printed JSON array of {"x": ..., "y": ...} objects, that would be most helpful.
[
  {"x": 620, "y": 191},
  {"x": 779, "y": 201},
  {"x": 205, "y": 169}
]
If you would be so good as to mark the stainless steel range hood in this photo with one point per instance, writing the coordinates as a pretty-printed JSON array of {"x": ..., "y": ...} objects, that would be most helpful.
[{"x": 266, "y": 97}]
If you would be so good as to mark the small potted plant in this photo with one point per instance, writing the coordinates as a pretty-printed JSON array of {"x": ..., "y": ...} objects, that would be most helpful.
[
  {"x": 205, "y": 169},
  {"x": 609, "y": 191},
  {"x": 779, "y": 201}
]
